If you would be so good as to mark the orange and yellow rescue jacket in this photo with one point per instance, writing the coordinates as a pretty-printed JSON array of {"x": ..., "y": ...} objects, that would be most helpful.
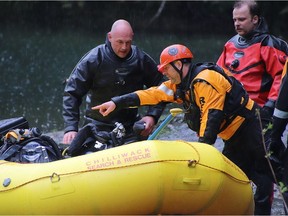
[{"x": 221, "y": 101}]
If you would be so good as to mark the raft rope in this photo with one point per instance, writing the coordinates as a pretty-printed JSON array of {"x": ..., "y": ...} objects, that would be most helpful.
[
  {"x": 195, "y": 162},
  {"x": 191, "y": 163}
]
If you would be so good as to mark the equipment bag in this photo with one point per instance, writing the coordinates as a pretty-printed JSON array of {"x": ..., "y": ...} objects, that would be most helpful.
[
  {"x": 29, "y": 146},
  {"x": 91, "y": 139}
]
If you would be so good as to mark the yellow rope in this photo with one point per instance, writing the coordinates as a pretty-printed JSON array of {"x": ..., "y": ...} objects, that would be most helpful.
[{"x": 189, "y": 161}]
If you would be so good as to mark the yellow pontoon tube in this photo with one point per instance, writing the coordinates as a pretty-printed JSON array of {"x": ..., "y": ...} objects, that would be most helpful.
[{"x": 148, "y": 177}]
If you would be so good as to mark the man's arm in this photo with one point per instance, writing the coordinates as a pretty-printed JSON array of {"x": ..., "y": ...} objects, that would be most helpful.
[
  {"x": 211, "y": 104},
  {"x": 78, "y": 84},
  {"x": 149, "y": 96},
  {"x": 273, "y": 52},
  {"x": 105, "y": 108},
  {"x": 119, "y": 102},
  {"x": 280, "y": 118}
]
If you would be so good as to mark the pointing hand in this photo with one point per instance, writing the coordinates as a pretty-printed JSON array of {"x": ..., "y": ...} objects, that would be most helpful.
[{"x": 105, "y": 108}]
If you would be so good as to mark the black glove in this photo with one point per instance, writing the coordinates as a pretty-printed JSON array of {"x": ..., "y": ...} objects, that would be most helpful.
[
  {"x": 138, "y": 127},
  {"x": 276, "y": 146},
  {"x": 206, "y": 140},
  {"x": 266, "y": 112},
  {"x": 279, "y": 126},
  {"x": 277, "y": 149}
]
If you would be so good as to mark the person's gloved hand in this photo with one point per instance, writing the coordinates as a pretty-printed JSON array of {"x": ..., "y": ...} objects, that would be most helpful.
[
  {"x": 145, "y": 126},
  {"x": 277, "y": 149},
  {"x": 276, "y": 146},
  {"x": 149, "y": 125},
  {"x": 139, "y": 126},
  {"x": 266, "y": 112},
  {"x": 276, "y": 155}
]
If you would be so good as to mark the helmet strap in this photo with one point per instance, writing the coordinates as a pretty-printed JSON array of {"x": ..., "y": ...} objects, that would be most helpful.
[{"x": 180, "y": 72}]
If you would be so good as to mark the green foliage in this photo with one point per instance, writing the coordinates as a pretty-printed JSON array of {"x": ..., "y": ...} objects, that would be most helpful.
[{"x": 283, "y": 187}]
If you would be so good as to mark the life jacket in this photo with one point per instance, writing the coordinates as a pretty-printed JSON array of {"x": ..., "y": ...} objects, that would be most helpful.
[{"x": 233, "y": 103}]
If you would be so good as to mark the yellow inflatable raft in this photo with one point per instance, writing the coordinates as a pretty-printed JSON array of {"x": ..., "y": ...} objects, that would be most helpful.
[{"x": 149, "y": 177}]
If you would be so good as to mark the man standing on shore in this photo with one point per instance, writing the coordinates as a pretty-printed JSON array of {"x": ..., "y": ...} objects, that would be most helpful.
[{"x": 256, "y": 59}]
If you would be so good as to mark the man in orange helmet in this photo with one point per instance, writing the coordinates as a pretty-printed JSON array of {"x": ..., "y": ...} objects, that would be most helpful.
[{"x": 215, "y": 104}]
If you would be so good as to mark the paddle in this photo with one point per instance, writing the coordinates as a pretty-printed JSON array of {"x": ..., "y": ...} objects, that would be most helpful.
[{"x": 173, "y": 113}]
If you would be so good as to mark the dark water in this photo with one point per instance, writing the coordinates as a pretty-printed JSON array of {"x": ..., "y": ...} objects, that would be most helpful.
[{"x": 34, "y": 64}]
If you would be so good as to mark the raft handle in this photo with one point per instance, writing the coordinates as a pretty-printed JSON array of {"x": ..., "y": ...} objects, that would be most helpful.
[
  {"x": 193, "y": 181},
  {"x": 54, "y": 178}
]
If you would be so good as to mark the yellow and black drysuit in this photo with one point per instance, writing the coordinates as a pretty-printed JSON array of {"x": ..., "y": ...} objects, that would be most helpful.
[{"x": 215, "y": 104}]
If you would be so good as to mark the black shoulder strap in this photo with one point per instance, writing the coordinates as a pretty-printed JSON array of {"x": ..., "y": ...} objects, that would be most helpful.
[
  {"x": 236, "y": 87},
  {"x": 53, "y": 144},
  {"x": 211, "y": 66},
  {"x": 10, "y": 151},
  {"x": 198, "y": 67}
]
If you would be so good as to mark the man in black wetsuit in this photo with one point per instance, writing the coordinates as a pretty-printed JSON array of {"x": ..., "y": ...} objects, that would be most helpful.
[{"x": 111, "y": 69}]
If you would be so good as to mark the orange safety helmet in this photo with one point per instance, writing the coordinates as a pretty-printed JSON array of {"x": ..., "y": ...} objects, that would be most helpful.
[{"x": 173, "y": 53}]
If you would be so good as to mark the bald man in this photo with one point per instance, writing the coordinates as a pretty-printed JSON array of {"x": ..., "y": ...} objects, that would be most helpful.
[
  {"x": 111, "y": 69},
  {"x": 120, "y": 37}
]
